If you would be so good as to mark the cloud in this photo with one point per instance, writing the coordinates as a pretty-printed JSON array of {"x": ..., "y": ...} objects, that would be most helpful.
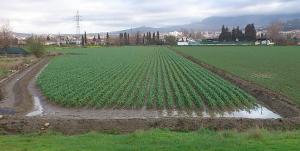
[{"x": 54, "y": 16}]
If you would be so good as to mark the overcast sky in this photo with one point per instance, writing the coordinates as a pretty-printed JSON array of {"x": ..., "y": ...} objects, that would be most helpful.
[{"x": 54, "y": 16}]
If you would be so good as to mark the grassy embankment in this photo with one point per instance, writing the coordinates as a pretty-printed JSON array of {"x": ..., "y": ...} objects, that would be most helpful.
[
  {"x": 9, "y": 65},
  {"x": 258, "y": 140}
]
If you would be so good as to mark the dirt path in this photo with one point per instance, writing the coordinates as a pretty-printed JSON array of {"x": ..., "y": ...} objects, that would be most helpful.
[{"x": 16, "y": 95}]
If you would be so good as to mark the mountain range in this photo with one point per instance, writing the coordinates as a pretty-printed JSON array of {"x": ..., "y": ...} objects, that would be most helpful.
[{"x": 291, "y": 22}]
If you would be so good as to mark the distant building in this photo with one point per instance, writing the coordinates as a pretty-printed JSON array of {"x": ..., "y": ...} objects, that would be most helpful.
[
  {"x": 175, "y": 34},
  {"x": 263, "y": 41},
  {"x": 182, "y": 43}
]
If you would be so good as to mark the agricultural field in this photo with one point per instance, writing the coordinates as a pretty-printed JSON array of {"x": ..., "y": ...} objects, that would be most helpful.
[
  {"x": 136, "y": 77},
  {"x": 277, "y": 68}
]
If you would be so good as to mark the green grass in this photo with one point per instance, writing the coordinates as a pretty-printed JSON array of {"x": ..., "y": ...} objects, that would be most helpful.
[
  {"x": 3, "y": 72},
  {"x": 154, "y": 140},
  {"x": 277, "y": 68},
  {"x": 131, "y": 77}
]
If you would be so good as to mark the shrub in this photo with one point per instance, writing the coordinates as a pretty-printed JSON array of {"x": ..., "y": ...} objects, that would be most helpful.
[{"x": 36, "y": 46}]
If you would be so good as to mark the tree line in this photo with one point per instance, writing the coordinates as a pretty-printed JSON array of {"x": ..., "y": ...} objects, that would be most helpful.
[
  {"x": 124, "y": 38},
  {"x": 238, "y": 35}
]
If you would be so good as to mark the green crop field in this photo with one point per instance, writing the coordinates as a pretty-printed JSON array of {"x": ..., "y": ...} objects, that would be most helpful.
[
  {"x": 134, "y": 77},
  {"x": 277, "y": 68}
]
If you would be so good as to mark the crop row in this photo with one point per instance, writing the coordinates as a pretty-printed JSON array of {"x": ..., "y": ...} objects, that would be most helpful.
[{"x": 136, "y": 77}]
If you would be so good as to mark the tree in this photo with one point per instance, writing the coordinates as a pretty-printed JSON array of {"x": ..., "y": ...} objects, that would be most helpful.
[
  {"x": 157, "y": 37},
  {"x": 196, "y": 35},
  {"x": 237, "y": 34},
  {"x": 273, "y": 31},
  {"x": 125, "y": 38},
  {"x": 240, "y": 34},
  {"x": 171, "y": 40},
  {"x": 137, "y": 42},
  {"x": 6, "y": 37},
  {"x": 48, "y": 38},
  {"x": 107, "y": 39},
  {"x": 85, "y": 39},
  {"x": 250, "y": 32},
  {"x": 99, "y": 39},
  {"x": 36, "y": 46},
  {"x": 153, "y": 38},
  {"x": 94, "y": 40},
  {"x": 148, "y": 38},
  {"x": 185, "y": 32},
  {"x": 121, "y": 38},
  {"x": 225, "y": 34},
  {"x": 128, "y": 39},
  {"x": 234, "y": 34},
  {"x": 82, "y": 41},
  {"x": 144, "y": 39}
]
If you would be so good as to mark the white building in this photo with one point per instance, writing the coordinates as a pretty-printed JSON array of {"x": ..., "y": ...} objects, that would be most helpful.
[
  {"x": 264, "y": 42},
  {"x": 182, "y": 43},
  {"x": 175, "y": 33}
]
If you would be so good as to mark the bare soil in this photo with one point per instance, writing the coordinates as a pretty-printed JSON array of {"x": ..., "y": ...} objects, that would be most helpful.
[
  {"x": 14, "y": 89},
  {"x": 15, "y": 125}
]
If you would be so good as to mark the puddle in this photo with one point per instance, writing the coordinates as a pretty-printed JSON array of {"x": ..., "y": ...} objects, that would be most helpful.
[
  {"x": 38, "y": 109},
  {"x": 164, "y": 113},
  {"x": 7, "y": 111},
  {"x": 174, "y": 113},
  {"x": 258, "y": 112},
  {"x": 194, "y": 114},
  {"x": 37, "y": 106}
]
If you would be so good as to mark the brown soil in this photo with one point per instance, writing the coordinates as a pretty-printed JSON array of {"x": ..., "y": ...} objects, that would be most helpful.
[
  {"x": 274, "y": 101},
  {"x": 14, "y": 125},
  {"x": 15, "y": 89}
]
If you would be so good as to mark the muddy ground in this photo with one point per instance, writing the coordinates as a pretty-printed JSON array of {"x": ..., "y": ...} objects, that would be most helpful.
[
  {"x": 15, "y": 92},
  {"x": 21, "y": 94},
  {"x": 15, "y": 125}
]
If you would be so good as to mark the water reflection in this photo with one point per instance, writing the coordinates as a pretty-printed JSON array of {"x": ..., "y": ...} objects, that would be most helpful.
[{"x": 258, "y": 112}]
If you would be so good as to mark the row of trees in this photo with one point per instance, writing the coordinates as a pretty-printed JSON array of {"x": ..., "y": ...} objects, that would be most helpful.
[
  {"x": 237, "y": 35},
  {"x": 84, "y": 40},
  {"x": 140, "y": 39},
  {"x": 149, "y": 38}
]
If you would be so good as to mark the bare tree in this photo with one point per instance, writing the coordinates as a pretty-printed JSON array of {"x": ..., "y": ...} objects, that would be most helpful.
[
  {"x": 274, "y": 31},
  {"x": 196, "y": 35},
  {"x": 185, "y": 32},
  {"x": 6, "y": 36}
]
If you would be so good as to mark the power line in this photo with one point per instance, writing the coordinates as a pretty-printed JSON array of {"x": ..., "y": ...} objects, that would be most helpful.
[{"x": 77, "y": 20}]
